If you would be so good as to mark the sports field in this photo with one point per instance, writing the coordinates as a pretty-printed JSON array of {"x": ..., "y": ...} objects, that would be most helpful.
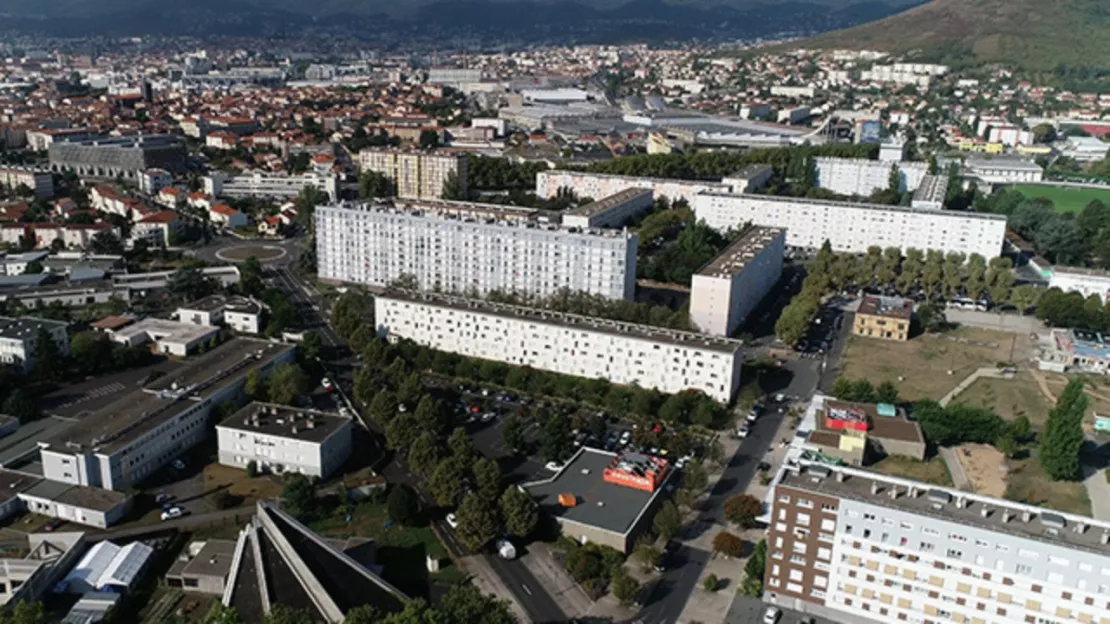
[{"x": 1066, "y": 199}]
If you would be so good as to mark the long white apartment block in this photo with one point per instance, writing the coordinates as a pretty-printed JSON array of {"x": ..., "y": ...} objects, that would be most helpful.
[
  {"x": 622, "y": 353},
  {"x": 599, "y": 185},
  {"x": 724, "y": 292},
  {"x": 274, "y": 185},
  {"x": 612, "y": 211},
  {"x": 1084, "y": 281},
  {"x": 862, "y": 547},
  {"x": 467, "y": 248},
  {"x": 416, "y": 175},
  {"x": 860, "y": 176},
  {"x": 853, "y": 227}
]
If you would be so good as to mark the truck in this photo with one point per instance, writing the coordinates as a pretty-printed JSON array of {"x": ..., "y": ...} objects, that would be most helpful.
[{"x": 506, "y": 550}]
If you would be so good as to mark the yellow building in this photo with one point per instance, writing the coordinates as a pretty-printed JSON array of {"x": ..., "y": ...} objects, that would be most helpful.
[
  {"x": 884, "y": 318},
  {"x": 967, "y": 145}
]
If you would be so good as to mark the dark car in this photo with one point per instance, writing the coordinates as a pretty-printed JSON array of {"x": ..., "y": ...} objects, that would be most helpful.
[
  {"x": 763, "y": 466},
  {"x": 49, "y": 527}
]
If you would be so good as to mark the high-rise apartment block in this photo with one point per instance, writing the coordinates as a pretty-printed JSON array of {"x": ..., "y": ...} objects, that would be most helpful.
[
  {"x": 416, "y": 174},
  {"x": 862, "y": 547},
  {"x": 852, "y": 227},
  {"x": 725, "y": 291},
  {"x": 862, "y": 177},
  {"x": 594, "y": 348},
  {"x": 599, "y": 185},
  {"x": 460, "y": 247}
]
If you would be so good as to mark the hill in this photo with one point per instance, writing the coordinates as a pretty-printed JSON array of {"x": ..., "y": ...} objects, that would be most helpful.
[{"x": 1033, "y": 34}]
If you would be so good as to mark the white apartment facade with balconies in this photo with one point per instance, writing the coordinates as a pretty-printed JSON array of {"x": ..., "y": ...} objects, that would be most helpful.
[
  {"x": 853, "y": 227},
  {"x": 600, "y": 185},
  {"x": 622, "y": 353},
  {"x": 470, "y": 248},
  {"x": 862, "y": 177}
]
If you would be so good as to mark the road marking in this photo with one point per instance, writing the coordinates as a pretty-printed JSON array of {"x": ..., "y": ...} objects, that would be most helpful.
[{"x": 526, "y": 590}]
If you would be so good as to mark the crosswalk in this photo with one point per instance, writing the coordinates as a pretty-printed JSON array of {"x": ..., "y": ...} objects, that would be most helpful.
[{"x": 95, "y": 393}]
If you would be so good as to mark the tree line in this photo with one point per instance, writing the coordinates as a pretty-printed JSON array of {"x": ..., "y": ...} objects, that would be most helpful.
[{"x": 1064, "y": 238}]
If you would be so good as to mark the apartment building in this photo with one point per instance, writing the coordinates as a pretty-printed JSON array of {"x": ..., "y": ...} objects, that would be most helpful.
[
  {"x": 887, "y": 318},
  {"x": 272, "y": 185},
  {"x": 111, "y": 157},
  {"x": 611, "y": 212},
  {"x": 471, "y": 248},
  {"x": 243, "y": 314},
  {"x": 931, "y": 193},
  {"x": 41, "y": 182},
  {"x": 139, "y": 433},
  {"x": 862, "y": 177},
  {"x": 18, "y": 337},
  {"x": 724, "y": 292},
  {"x": 1003, "y": 169},
  {"x": 597, "y": 185},
  {"x": 1084, "y": 281},
  {"x": 622, "y": 353},
  {"x": 281, "y": 439},
  {"x": 862, "y": 547},
  {"x": 853, "y": 227},
  {"x": 416, "y": 175}
]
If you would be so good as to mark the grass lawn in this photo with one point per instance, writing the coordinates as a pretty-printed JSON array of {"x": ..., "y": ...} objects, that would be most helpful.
[
  {"x": 239, "y": 484},
  {"x": 402, "y": 550},
  {"x": 924, "y": 361},
  {"x": 1065, "y": 199},
  {"x": 1097, "y": 390},
  {"x": 931, "y": 470},
  {"x": 1009, "y": 398},
  {"x": 1027, "y": 483}
]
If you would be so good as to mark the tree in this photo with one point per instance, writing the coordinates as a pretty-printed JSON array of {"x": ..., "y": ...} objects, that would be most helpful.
[
  {"x": 488, "y": 480},
  {"x": 190, "y": 284},
  {"x": 383, "y": 407},
  {"x": 372, "y": 184},
  {"x": 252, "y": 469},
  {"x": 219, "y": 614},
  {"x": 461, "y": 447},
  {"x": 1024, "y": 297},
  {"x": 402, "y": 431},
  {"x": 667, "y": 520},
  {"x": 424, "y": 454},
  {"x": 255, "y": 386},
  {"x": 743, "y": 509},
  {"x": 48, "y": 358},
  {"x": 428, "y": 139},
  {"x": 466, "y": 604},
  {"x": 298, "y": 496},
  {"x": 454, "y": 189},
  {"x": 312, "y": 345},
  {"x": 519, "y": 511},
  {"x": 284, "y": 614},
  {"x": 555, "y": 443},
  {"x": 250, "y": 277},
  {"x": 646, "y": 554},
  {"x": 624, "y": 586},
  {"x": 728, "y": 544},
  {"x": 365, "y": 614},
  {"x": 477, "y": 522},
  {"x": 106, "y": 242},
  {"x": 711, "y": 582},
  {"x": 287, "y": 383},
  {"x": 92, "y": 351},
  {"x": 33, "y": 267},
  {"x": 19, "y": 405},
  {"x": 931, "y": 317},
  {"x": 429, "y": 416},
  {"x": 1044, "y": 133},
  {"x": 305, "y": 204},
  {"x": 512, "y": 434},
  {"x": 1063, "y": 434},
  {"x": 753, "y": 571},
  {"x": 402, "y": 505},
  {"x": 447, "y": 483},
  {"x": 886, "y": 393},
  {"x": 694, "y": 478}
]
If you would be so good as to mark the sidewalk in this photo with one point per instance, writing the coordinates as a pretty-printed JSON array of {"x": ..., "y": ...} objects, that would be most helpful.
[
  {"x": 556, "y": 581},
  {"x": 487, "y": 582},
  {"x": 955, "y": 468},
  {"x": 1098, "y": 490}
]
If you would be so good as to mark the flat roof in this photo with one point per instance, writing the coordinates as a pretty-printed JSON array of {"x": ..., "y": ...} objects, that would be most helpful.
[
  {"x": 116, "y": 425},
  {"x": 600, "y": 206},
  {"x": 284, "y": 421},
  {"x": 562, "y": 319},
  {"x": 165, "y": 330},
  {"x": 749, "y": 171},
  {"x": 213, "y": 559},
  {"x": 644, "y": 180},
  {"x": 886, "y": 307},
  {"x": 1042, "y": 524},
  {"x": 896, "y": 427},
  {"x": 601, "y": 504},
  {"x": 25, "y": 327},
  {"x": 25, "y": 440},
  {"x": 91, "y": 498},
  {"x": 951, "y": 214},
  {"x": 736, "y": 256},
  {"x": 13, "y": 483},
  {"x": 933, "y": 188}
]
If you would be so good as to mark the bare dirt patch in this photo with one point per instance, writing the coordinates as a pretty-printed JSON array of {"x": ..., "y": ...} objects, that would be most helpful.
[{"x": 985, "y": 468}]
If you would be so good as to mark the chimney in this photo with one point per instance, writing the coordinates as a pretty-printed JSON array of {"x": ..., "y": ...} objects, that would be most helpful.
[
  {"x": 985, "y": 512},
  {"x": 1007, "y": 516},
  {"x": 1081, "y": 528},
  {"x": 874, "y": 488},
  {"x": 961, "y": 502},
  {"x": 1105, "y": 539},
  {"x": 294, "y": 429},
  {"x": 840, "y": 477},
  {"x": 1026, "y": 516},
  {"x": 913, "y": 492},
  {"x": 894, "y": 492}
]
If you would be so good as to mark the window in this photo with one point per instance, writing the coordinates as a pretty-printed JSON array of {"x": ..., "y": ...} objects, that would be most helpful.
[
  {"x": 828, "y": 525},
  {"x": 796, "y": 575}
]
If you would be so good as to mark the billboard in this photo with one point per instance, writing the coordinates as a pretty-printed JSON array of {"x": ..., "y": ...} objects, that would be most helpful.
[{"x": 868, "y": 132}]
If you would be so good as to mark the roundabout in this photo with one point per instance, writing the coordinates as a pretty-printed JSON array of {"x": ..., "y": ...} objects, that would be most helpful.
[{"x": 239, "y": 253}]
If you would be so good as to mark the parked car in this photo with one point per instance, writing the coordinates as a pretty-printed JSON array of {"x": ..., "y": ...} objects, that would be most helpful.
[
  {"x": 772, "y": 615},
  {"x": 178, "y": 464},
  {"x": 452, "y": 521},
  {"x": 763, "y": 466},
  {"x": 162, "y": 498},
  {"x": 752, "y": 416},
  {"x": 488, "y": 416},
  {"x": 53, "y": 524},
  {"x": 327, "y": 384},
  {"x": 172, "y": 512},
  {"x": 553, "y": 466},
  {"x": 743, "y": 431},
  {"x": 626, "y": 437}
]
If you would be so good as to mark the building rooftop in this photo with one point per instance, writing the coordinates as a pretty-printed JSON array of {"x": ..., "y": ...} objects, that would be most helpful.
[
  {"x": 587, "y": 323},
  {"x": 933, "y": 188},
  {"x": 643, "y": 180},
  {"x": 951, "y": 505},
  {"x": 24, "y": 442},
  {"x": 888, "y": 307},
  {"x": 284, "y": 421},
  {"x": 1002, "y": 161},
  {"x": 212, "y": 303},
  {"x": 979, "y": 216},
  {"x": 136, "y": 413},
  {"x": 736, "y": 256},
  {"x": 600, "y": 504},
  {"x": 91, "y": 498},
  {"x": 12, "y": 483},
  {"x": 25, "y": 327},
  {"x": 892, "y": 425},
  {"x": 750, "y": 171},
  {"x": 157, "y": 329},
  {"x": 608, "y": 203},
  {"x": 213, "y": 559}
]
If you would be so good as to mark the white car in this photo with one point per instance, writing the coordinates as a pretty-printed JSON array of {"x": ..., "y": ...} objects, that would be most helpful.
[
  {"x": 743, "y": 431},
  {"x": 178, "y": 464},
  {"x": 326, "y": 383},
  {"x": 626, "y": 437},
  {"x": 553, "y": 466},
  {"x": 488, "y": 416},
  {"x": 452, "y": 521},
  {"x": 771, "y": 615},
  {"x": 172, "y": 512},
  {"x": 752, "y": 416},
  {"x": 780, "y": 397}
]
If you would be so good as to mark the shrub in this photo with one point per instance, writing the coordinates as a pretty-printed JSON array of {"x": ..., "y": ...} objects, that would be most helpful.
[
  {"x": 252, "y": 469},
  {"x": 711, "y": 583}
]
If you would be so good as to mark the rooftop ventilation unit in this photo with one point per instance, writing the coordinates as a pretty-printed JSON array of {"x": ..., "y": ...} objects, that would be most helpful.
[{"x": 940, "y": 496}]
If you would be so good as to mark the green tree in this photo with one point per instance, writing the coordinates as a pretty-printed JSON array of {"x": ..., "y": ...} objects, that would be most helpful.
[
  {"x": 512, "y": 434},
  {"x": 1024, "y": 297},
  {"x": 48, "y": 358},
  {"x": 447, "y": 483},
  {"x": 402, "y": 431},
  {"x": 402, "y": 505},
  {"x": 430, "y": 417},
  {"x": 667, "y": 520},
  {"x": 284, "y": 614},
  {"x": 252, "y": 469},
  {"x": 555, "y": 443},
  {"x": 190, "y": 284},
  {"x": 743, "y": 509},
  {"x": 519, "y": 511},
  {"x": 646, "y": 554},
  {"x": 219, "y": 614},
  {"x": 424, "y": 454},
  {"x": 372, "y": 184},
  {"x": 428, "y": 139},
  {"x": 886, "y": 393},
  {"x": 465, "y": 604},
  {"x": 312, "y": 345},
  {"x": 752, "y": 585},
  {"x": 461, "y": 447},
  {"x": 694, "y": 478},
  {"x": 1044, "y": 133},
  {"x": 383, "y": 407},
  {"x": 365, "y": 614},
  {"x": 1063, "y": 434},
  {"x": 21, "y": 406},
  {"x": 250, "y": 277},
  {"x": 477, "y": 522},
  {"x": 91, "y": 351},
  {"x": 711, "y": 582},
  {"x": 488, "y": 480},
  {"x": 624, "y": 586},
  {"x": 298, "y": 496},
  {"x": 305, "y": 204},
  {"x": 454, "y": 189},
  {"x": 255, "y": 386},
  {"x": 287, "y": 383}
]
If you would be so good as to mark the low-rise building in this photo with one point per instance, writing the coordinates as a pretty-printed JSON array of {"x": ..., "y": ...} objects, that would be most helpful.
[
  {"x": 156, "y": 229},
  {"x": 604, "y": 498},
  {"x": 225, "y": 275},
  {"x": 611, "y": 212},
  {"x": 40, "y": 182},
  {"x": 272, "y": 185},
  {"x": 724, "y": 292},
  {"x": 152, "y": 181},
  {"x": 282, "y": 439},
  {"x": 888, "y": 318},
  {"x": 19, "y": 336},
  {"x": 242, "y": 314},
  {"x": 204, "y": 567},
  {"x": 749, "y": 179},
  {"x": 931, "y": 193},
  {"x": 222, "y": 214},
  {"x": 1076, "y": 351},
  {"x": 623, "y": 353},
  {"x": 1084, "y": 281},
  {"x": 550, "y": 183},
  {"x": 169, "y": 337},
  {"x": 1002, "y": 169},
  {"x": 49, "y": 557},
  {"x": 858, "y": 433}
]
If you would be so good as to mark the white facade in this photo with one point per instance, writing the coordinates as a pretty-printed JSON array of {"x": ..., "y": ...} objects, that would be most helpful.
[
  {"x": 154, "y": 180},
  {"x": 269, "y": 185},
  {"x": 852, "y": 227},
  {"x": 611, "y": 212},
  {"x": 283, "y": 440},
  {"x": 1003, "y": 169},
  {"x": 724, "y": 293},
  {"x": 19, "y": 335},
  {"x": 862, "y": 177},
  {"x": 622, "y": 353},
  {"x": 598, "y": 185},
  {"x": 41, "y": 182},
  {"x": 462, "y": 248},
  {"x": 242, "y": 314},
  {"x": 1087, "y": 282}
]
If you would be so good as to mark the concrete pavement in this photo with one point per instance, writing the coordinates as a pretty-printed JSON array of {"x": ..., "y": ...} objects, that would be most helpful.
[{"x": 1098, "y": 490}]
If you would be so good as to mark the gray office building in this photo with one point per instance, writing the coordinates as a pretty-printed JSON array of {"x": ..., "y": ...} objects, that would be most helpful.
[{"x": 127, "y": 157}]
